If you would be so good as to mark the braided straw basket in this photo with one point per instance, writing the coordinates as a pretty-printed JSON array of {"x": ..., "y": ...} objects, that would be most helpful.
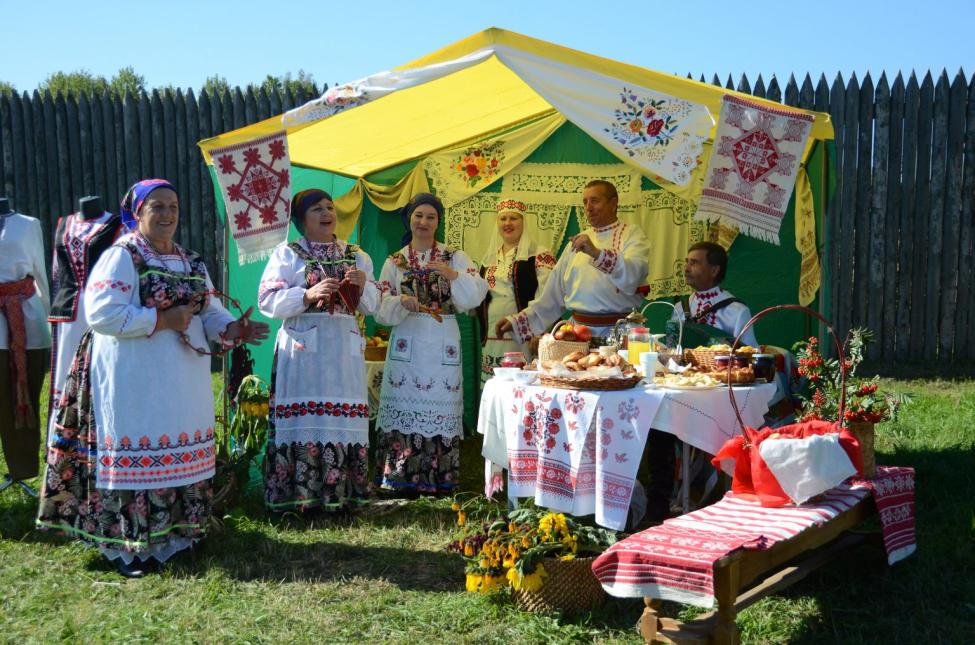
[
  {"x": 703, "y": 357},
  {"x": 550, "y": 349},
  {"x": 604, "y": 383},
  {"x": 571, "y": 587}
]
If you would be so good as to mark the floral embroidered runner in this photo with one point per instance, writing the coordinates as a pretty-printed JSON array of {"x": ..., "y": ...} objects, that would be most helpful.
[
  {"x": 255, "y": 183},
  {"x": 756, "y": 157},
  {"x": 459, "y": 173}
]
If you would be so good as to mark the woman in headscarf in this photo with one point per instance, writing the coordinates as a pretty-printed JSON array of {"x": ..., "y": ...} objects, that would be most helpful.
[
  {"x": 515, "y": 268},
  {"x": 130, "y": 465},
  {"x": 421, "y": 405},
  {"x": 318, "y": 439}
]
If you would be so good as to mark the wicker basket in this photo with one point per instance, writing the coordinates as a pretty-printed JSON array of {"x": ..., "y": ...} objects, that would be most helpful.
[
  {"x": 589, "y": 382},
  {"x": 374, "y": 353},
  {"x": 571, "y": 587},
  {"x": 703, "y": 357},
  {"x": 550, "y": 349},
  {"x": 864, "y": 434}
]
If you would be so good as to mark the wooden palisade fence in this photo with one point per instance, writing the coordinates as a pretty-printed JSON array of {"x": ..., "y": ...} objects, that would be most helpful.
[{"x": 899, "y": 230}]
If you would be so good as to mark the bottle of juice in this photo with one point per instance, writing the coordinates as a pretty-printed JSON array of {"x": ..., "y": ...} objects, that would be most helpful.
[{"x": 638, "y": 341}]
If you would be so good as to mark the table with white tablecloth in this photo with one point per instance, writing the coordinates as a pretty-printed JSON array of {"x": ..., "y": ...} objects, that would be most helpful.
[{"x": 578, "y": 451}]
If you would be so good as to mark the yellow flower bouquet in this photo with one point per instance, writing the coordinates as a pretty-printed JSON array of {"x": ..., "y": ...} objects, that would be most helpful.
[{"x": 509, "y": 548}]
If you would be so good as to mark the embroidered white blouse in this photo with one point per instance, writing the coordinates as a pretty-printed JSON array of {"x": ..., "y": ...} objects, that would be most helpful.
[
  {"x": 730, "y": 319},
  {"x": 282, "y": 288},
  {"x": 606, "y": 284},
  {"x": 22, "y": 254},
  {"x": 467, "y": 291}
]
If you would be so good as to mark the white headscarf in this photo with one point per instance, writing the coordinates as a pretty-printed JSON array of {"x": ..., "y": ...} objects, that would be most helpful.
[{"x": 527, "y": 245}]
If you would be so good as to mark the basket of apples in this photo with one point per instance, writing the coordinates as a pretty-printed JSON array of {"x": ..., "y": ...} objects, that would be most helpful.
[{"x": 564, "y": 339}]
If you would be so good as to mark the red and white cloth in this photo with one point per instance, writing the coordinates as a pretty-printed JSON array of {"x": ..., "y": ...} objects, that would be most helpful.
[
  {"x": 893, "y": 490},
  {"x": 255, "y": 182},
  {"x": 753, "y": 167},
  {"x": 675, "y": 561},
  {"x": 575, "y": 451}
]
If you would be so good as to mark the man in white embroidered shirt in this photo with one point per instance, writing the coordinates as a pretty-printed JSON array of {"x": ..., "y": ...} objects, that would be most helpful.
[
  {"x": 596, "y": 276},
  {"x": 710, "y": 305}
]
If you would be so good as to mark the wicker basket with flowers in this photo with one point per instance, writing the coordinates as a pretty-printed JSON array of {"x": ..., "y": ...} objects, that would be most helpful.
[{"x": 545, "y": 558}]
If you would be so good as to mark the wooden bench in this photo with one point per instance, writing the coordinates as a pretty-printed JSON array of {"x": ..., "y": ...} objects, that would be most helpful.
[{"x": 746, "y": 576}]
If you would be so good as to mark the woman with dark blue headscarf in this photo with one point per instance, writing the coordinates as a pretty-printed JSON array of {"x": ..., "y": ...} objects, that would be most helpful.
[
  {"x": 421, "y": 405},
  {"x": 131, "y": 458},
  {"x": 318, "y": 438}
]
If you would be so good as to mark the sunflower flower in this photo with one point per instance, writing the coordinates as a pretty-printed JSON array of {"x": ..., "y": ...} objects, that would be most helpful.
[
  {"x": 534, "y": 581},
  {"x": 474, "y": 582}
]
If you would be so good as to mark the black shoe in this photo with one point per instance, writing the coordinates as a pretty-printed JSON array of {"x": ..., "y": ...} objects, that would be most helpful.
[{"x": 135, "y": 569}]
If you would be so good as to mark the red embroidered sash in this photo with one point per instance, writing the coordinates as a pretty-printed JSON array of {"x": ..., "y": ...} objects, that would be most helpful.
[{"x": 12, "y": 297}]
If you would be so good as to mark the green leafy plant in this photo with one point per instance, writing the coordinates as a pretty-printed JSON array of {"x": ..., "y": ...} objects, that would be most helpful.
[
  {"x": 239, "y": 441},
  {"x": 865, "y": 402}
]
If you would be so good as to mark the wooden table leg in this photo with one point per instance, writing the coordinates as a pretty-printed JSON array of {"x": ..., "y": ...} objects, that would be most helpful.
[
  {"x": 649, "y": 623},
  {"x": 726, "y": 581}
]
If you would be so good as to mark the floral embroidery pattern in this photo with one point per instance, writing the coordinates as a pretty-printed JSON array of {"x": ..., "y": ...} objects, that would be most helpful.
[
  {"x": 410, "y": 461},
  {"x": 574, "y": 402},
  {"x": 430, "y": 288},
  {"x": 101, "y": 285},
  {"x": 270, "y": 286},
  {"x": 326, "y": 261},
  {"x": 628, "y": 410},
  {"x": 541, "y": 425},
  {"x": 645, "y": 122},
  {"x": 322, "y": 408},
  {"x": 522, "y": 330},
  {"x": 544, "y": 260},
  {"x": 420, "y": 385},
  {"x": 480, "y": 163},
  {"x": 607, "y": 260},
  {"x": 315, "y": 474}
]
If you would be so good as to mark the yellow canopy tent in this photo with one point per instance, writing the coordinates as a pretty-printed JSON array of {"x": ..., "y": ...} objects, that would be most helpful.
[{"x": 375, "y": 151}]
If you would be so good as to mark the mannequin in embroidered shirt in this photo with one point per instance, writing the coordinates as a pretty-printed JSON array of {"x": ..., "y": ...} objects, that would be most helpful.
[
  {"x": 79, "y": 240},
  {"x": 25, "y": 341},
  {"x": 90, "y": 206}
]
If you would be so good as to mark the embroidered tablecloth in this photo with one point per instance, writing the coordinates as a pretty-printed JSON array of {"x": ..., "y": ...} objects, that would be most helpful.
[{"x": 578, "y": 451}]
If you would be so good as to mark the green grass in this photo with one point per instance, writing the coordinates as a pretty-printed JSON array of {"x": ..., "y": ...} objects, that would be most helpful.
[{"x": 383, "y": 576}]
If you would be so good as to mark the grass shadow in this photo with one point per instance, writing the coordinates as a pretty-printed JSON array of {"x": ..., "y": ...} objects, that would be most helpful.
[{"x": 925, "y": 598}]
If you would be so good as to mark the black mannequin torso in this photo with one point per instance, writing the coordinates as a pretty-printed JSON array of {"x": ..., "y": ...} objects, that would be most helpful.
[
  {"x": 5, "y": 206},
  {"x": 90, "y": 207}
]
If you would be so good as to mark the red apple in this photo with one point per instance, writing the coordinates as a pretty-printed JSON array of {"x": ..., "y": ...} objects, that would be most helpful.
[{"x": 582, "y": 333}]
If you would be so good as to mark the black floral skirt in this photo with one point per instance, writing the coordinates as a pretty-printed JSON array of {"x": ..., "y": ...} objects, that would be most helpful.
[
  {"x": 415, "y": 463},
  {"x": 122, "y": 523},
  {"x": 316, "y": 475}
]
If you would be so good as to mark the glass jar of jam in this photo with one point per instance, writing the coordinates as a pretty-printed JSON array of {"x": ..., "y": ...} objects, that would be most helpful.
[
  {"x": 739, "y": 361},
  {"x": 764, "y": 366},
  {"x": 513, "y": 359},
  {"x": 721, "y": 362}
]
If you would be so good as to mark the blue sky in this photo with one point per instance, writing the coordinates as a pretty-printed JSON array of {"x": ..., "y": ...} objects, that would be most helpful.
[{"x": 182, "y": 42}]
